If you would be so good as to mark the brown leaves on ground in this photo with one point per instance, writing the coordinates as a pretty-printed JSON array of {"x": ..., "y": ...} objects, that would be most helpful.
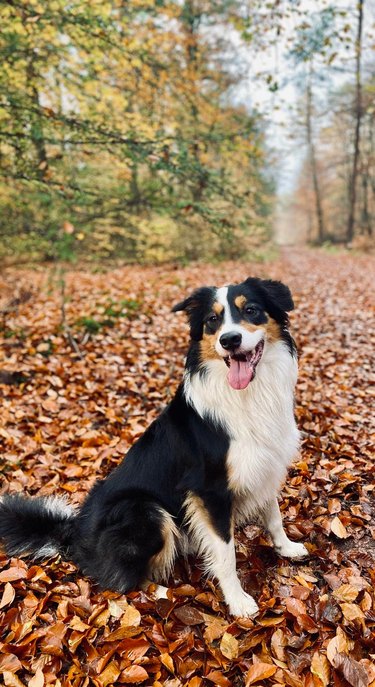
[{"x": 70, "y": 412}]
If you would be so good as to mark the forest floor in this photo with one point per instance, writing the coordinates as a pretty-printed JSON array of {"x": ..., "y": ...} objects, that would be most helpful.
[{"x": 86, "y": 366}]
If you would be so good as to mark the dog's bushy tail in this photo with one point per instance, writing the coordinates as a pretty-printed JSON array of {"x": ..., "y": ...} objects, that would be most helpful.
[{"x": 39, "y": 527}]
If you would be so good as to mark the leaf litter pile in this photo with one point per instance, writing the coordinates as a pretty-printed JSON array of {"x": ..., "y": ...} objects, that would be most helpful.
[{"x": 87, "y": 363}]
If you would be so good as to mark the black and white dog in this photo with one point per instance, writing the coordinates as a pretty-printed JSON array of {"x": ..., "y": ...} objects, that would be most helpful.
[{"x": 215, "y": 458}]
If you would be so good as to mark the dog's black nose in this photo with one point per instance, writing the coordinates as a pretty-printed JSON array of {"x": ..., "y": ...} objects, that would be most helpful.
[{"x": 231, "y": 340}]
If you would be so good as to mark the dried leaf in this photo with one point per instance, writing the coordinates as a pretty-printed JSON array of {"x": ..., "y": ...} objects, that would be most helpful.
[
  {"x": 259, "y": 671},
  {"x": 11, "y": 680},
  {"x": 12, "y": 574},
  {"x": 320, "y": 668},
  {"x": 110, "y": 674},
  {"x": 133, "y": 675},
  {"x": 229, "y": 646},
  {"x": 346, "y": 592},
  {"x": 189, "y": 615},
  {"x": 167, "y": 661},
  {"x": 8, "y": 595},
  {"x": 37, "y": 680},
  {"x": 353, "y": 671},
  {"x": 338, "y": 528},
  {"x": 131, "y": 617},
  {"x": 219, "y": 679},
  {"x": 351, "y": 611}
]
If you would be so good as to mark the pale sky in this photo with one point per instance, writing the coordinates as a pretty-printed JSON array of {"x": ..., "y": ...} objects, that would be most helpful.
[{"x": 279, "y": 107}]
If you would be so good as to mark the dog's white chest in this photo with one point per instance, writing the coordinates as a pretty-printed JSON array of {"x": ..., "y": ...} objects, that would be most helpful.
[{"x": 260, "y": 422}]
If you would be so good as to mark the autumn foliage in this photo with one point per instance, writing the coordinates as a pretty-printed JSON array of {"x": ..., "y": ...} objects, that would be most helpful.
[{"x": 89, "y": 359}]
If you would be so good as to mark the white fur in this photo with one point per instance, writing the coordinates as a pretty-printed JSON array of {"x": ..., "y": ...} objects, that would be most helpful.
[
  {"x": 249, "y": 339},
  {"x": 283, "y": 545},
  {"x": 58, "y": 505}
]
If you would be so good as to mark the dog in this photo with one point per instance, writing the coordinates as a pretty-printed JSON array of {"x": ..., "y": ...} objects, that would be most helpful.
[{"x": 214, "y": 459}]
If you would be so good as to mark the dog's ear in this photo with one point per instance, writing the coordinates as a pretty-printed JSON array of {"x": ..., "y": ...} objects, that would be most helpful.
[
  {"x": 195, "y": 307},
  {"x": 278, "y": 293},
  {"x": 186, "y": 305}
]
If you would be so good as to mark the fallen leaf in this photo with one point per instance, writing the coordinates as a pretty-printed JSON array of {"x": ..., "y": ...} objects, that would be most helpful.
[
  {"x": 229, "y": 646},
  {"x": 8, "y": 595},
  {"x": 353, "y": 671},
  {"x": 351, "y": 611},
  {"x": 37, "y": 680},
  {"x": 189, "y": 615},
  {"x": 12, "y": 574},
  {"x": 346, "y": 592},
  {"x": 133, "y": 675},
  {"x": 338, "y": 528},
  {"x": 167, "y": 661},
  {"x": 259, "y": 671},
  {"x": 320, "y": 668},
  {"x": 11, "y": 680},
  {"x": 131, "y": 617}
]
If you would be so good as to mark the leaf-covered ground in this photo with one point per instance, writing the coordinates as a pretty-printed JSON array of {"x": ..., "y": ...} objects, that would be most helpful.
[{"x": 80, "y": 382}]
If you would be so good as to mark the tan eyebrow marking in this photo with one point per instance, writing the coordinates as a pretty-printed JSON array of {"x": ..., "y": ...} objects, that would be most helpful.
[
  {"x": 240, "y": 301},
  {"x": 218, "y": 308}
]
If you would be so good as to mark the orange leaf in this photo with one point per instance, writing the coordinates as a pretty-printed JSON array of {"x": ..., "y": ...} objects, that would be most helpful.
[
  {"x": 339, "y": 529},
  {"x": 167, "y": 661},
  {"x": 229, "y": 646},
  {"x": 133, "y": 675},
  {"x": 347, "y": 592},
  {"x": 13, "y": 574},
  {"x": 218, "y": 678},
  {"x": 320, "y": 668},
  {"x": 8, "y": 595},
  {"x": 37, "y": 680},
  {"x": 259, "y": 671}
]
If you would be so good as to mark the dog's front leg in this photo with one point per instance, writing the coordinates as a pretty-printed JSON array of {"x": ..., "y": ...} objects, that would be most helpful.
[
  {"x": 274, "y": 524},
  {"x": 220, "y": 561}
]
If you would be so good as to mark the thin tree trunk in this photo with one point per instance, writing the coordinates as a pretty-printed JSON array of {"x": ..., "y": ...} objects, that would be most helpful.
[
  {"x": 357, "y": 130},
  {"x": 313, "y": 163}
]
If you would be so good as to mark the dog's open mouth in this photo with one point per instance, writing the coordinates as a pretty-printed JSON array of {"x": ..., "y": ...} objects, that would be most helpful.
[{"x": 242, "y": 366}]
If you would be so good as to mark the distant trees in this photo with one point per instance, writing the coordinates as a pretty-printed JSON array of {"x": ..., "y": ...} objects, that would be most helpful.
[
  {"x": 357, "y": 127},
  {"x": 116, "y": 129},
  {"x": 339, "y": 126}
]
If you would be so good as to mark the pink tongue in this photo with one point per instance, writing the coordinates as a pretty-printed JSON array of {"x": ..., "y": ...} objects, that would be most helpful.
[{"x": 240, "y": 374}]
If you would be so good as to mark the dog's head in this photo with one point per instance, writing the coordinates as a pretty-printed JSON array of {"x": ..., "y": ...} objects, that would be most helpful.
[{"x": 233, "y": 323}]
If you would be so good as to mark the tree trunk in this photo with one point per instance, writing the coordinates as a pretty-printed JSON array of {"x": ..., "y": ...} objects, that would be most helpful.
[
  {"x": 313, "y": 163},
  {"x": 357, "y": 130}
]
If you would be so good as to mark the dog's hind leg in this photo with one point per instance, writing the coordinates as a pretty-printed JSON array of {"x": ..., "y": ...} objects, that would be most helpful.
[
  {"x": 133, "y": 541},
  {"x": 274, "y": 524}
]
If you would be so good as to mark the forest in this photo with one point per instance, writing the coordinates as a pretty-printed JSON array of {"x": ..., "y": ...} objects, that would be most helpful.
[
  {"x": 148, "y": 148},
  {"x": 133, "y": 130}
]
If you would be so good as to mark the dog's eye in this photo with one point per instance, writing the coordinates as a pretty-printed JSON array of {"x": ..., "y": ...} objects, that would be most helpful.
[
  {"x": 251, "y": 310},
  {"x": 212, "y": 318}
]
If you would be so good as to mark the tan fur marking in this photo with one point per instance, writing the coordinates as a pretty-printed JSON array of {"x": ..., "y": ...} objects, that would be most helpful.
[
  {"x": 240, "y": 301},
  {"x": 160, "y": 565},
  {"x": 207, "y": 346},
  {"x": 218, "y": 308},
  {"x": 198, "y": 521},
  {"x": 250, "y": 327},
  {"x": 272, "y": 329}
]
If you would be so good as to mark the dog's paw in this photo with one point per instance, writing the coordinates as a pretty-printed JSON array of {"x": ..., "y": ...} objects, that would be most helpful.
[
  {"x": 242, "y": 605},
  {"x": 292, "y": 549}
]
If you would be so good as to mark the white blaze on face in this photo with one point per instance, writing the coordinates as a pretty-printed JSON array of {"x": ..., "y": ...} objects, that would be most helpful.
[{"x": 249, "y": 339}]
